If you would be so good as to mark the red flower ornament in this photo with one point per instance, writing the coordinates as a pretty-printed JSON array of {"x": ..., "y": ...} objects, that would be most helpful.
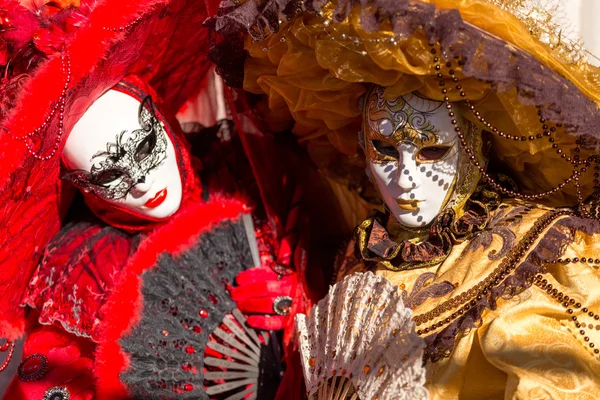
[{"x": 49, "y": 40}]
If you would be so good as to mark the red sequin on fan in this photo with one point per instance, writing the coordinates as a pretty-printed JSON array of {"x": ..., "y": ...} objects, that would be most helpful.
[
  {"x": 197, "y": 329},
  {"x": 203, "y": 313},
  {"x": 188, "y": 387},
  {"x": 190, "y": 350},
  {"x": 186, "y": 366},
  {"x": 213, "y": 299}
]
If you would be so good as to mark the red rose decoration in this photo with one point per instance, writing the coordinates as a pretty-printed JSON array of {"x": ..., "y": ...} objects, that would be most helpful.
[{"x": 49, "y": 40}]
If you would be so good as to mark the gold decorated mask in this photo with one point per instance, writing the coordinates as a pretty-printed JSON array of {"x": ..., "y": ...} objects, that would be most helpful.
[{"x": 414, "y": 156}]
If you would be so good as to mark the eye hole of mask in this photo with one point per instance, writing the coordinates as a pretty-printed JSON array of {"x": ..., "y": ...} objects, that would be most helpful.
[
  {"x": 385, "y": 148},
  {"x": 432, "y": 153},
  {"x": 146, "y": 146},
  {"x": 108, "y": 176}
]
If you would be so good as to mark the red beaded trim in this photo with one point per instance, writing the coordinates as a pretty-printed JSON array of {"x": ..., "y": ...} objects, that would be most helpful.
[
  {"x": 10, "y": 346},
  {"x": 60, "y": 106},
  {"x": 124, "y": 27}
]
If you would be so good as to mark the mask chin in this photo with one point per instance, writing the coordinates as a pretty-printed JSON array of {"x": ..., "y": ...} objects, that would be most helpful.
[{"x": 417, "y": 208}]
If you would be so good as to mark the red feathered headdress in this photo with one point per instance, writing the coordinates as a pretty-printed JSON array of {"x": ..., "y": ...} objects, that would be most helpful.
[{"x": 56, "y": 63}]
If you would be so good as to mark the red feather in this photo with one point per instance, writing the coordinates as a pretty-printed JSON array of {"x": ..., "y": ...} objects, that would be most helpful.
[{"x": 163, "y": 51}]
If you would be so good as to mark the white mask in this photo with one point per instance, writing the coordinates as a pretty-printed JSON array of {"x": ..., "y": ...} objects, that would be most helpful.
[
  {"x": 121, "y": 152},
  {"x": 412, "y": 155}
]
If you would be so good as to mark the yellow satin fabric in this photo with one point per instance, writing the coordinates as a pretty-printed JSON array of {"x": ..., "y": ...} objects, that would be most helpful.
[
  {"x": 528, "y": 348},
  {"x": 313, "y": 84}
]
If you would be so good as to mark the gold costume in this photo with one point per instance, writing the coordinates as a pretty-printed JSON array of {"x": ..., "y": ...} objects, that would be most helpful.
[
  {"x": 509, "y": 306},
  {"x": 528, "y": 343}
]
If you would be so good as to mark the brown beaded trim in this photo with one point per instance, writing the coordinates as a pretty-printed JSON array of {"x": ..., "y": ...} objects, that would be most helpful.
[
  {"x": 10, "y": 347},
  {"x": 588, "y": 260},
  {"x": 507, "y": 266},
  {"x": 570, "y": 305},
  {"x": 579, "y": 166}
]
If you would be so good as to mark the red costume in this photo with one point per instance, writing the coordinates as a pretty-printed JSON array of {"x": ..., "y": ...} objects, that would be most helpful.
[{"x": 128, "y": 309}]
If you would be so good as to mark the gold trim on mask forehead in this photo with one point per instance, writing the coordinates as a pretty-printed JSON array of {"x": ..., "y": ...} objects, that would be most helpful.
[{"x": 395, "y": 122}]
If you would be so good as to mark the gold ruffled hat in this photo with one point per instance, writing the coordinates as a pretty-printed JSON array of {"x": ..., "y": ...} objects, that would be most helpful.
[{"x": 502, "y": 64}]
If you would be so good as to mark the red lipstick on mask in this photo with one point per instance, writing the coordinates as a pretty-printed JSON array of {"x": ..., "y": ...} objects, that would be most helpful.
[{"x": 157, "y": 200}]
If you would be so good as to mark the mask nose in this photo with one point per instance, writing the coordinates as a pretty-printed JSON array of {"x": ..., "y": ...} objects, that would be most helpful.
[
  {"x": 408, "y": 171},
  {"x": 143, "y": 185}
]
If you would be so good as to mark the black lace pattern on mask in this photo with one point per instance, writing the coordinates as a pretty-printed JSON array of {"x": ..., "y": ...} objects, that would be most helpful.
[
  {"x": 128, "y": 161},
  {"x": 191, "y": 341}
]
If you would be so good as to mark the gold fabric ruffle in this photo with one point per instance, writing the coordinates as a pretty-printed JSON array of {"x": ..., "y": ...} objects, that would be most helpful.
[{"x": 314, "y": 84}]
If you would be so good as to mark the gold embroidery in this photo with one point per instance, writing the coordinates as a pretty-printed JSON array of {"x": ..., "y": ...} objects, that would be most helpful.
[
  {"x": 464, "y": 301},
  {"x": 394, "y": 122}
]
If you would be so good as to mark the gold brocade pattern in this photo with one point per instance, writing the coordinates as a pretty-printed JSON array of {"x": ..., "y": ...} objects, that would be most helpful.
[
  {"x": 463, "y": 302},
  {"x": 526, "y": 345},
  {"x": 409, "y": 125}
]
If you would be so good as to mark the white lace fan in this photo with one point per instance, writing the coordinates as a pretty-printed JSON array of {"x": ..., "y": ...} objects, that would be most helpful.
[{"x": 359, "y": 342}]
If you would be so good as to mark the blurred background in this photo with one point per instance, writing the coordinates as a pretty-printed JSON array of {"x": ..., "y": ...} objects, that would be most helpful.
[{"x": 581, "y": 17}]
